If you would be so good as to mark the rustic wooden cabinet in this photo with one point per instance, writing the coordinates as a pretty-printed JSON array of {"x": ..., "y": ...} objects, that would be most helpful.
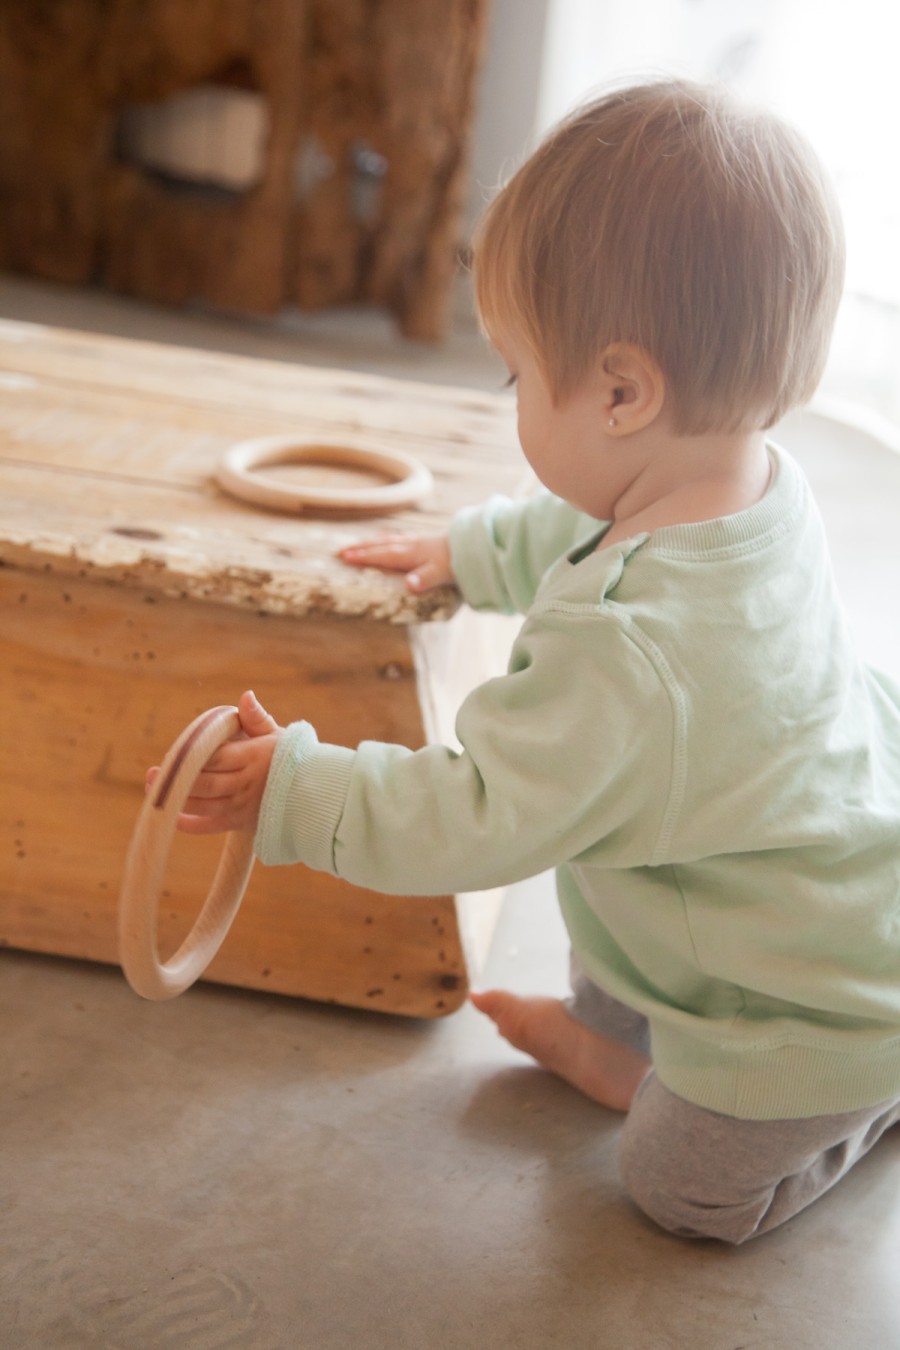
[
  {"x": 134, "y": 595},
  {"x": 366, "y": 108}
]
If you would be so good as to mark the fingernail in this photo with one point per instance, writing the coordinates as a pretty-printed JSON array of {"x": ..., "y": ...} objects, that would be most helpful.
[{"x": 414, "y": 581}]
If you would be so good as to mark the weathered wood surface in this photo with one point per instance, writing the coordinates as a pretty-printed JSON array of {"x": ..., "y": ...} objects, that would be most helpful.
[
  {"x": 394, "y": 76},
  {"x": 108, "y": 448},
  {"x": 110, "y": 643}
]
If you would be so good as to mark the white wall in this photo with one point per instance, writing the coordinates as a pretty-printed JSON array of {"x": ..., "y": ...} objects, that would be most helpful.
[
  {"x": 544, "y": 56},
  {"x": 509, "y": 92},
  {"x": 592, "y": 43},
  {"x": 829, "y": 66}
]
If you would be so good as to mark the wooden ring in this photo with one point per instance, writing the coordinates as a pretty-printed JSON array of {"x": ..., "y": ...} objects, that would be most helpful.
[
  {"x": 147, "y": 859},
  {"x": 237, "y": 473}
]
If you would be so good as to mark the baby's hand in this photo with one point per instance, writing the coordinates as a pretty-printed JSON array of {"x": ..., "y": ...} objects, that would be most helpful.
[
  {"x": 425, "y": 558},
  {"x": 228, "y": 793}
]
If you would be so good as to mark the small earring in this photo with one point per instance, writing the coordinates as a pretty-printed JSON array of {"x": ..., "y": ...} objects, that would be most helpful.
[{"x": 612, "y": 422}]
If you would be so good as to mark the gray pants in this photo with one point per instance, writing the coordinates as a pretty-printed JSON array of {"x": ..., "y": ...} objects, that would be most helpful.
[{"x": 704, "y": 1175}]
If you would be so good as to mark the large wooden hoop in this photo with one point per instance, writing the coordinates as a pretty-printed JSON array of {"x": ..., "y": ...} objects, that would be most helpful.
[
  {"x": 238, "y": 474},
  {"x": 147, "y": 859}
]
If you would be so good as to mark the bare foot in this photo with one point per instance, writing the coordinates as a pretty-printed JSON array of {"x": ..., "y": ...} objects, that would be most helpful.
[{"x": 605, "y": 1070}]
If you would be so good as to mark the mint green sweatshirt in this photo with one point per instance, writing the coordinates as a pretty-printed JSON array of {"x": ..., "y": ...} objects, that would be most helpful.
[{"x": 686, "y": 734}]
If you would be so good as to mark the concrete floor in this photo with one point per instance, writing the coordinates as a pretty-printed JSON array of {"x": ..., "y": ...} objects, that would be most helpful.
[{"x": 239, "y": 1170}]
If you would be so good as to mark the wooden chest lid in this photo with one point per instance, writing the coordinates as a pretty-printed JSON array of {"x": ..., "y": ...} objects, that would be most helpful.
[{"x": 108, "y": 449}]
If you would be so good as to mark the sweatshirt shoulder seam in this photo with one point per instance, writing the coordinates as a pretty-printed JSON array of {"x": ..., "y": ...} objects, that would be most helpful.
[{"x": 678, "y": 766}]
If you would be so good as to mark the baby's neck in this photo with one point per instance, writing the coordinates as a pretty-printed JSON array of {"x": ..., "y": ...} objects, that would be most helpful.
[{"x": 691, "y": 479}]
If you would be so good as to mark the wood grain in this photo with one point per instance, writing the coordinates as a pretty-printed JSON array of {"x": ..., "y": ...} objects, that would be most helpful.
[
  {"x": 340, "y": 80},
  {"x": 108, "y": 451},
  {"x": 135, "y": 596}
]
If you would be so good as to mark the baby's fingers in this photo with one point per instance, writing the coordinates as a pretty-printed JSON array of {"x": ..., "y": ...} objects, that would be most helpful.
[
  {"x": 426, "y": 575},
  {"x": 195, "y": 823},
  {"x": 209, "y": 786},
  {"x": 394, "y": 553},
  {"x": 424, "y": 558},
  {"x": 213, "y": 787}
]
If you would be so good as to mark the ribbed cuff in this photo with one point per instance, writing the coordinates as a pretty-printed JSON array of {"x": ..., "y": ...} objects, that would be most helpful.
[{"x": 304, "y": 800}]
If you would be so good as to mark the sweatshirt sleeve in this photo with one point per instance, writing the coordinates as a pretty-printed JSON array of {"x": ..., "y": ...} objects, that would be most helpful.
[
  {"x": 552, "y": 769},
  {"x": 501, "y": 549}
]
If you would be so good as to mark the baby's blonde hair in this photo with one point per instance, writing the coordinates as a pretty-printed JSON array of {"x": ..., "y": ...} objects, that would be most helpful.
[{"x": 667, "y": 216}]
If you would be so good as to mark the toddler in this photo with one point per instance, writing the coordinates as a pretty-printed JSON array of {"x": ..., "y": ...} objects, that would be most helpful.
[{"x": 685, "y": 732}]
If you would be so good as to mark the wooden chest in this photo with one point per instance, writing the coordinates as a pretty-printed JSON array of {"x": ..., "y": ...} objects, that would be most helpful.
[{"x": 134, "y": 595}]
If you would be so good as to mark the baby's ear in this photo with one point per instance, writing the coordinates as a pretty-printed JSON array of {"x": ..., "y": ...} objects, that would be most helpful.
[{"x": 634, "y": 388}]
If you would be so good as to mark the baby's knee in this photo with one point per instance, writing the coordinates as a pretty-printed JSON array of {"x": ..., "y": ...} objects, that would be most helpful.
[
  {"x": 677, "y": 1170},
  {"x": 702, "y": 1174},
  {"x": 677, "y": 1204}
]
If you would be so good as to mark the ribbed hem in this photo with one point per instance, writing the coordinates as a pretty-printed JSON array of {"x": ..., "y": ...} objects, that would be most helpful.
[
  {"x": 304, "y": 800},
  {"x": 780, "y": 1078}
]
